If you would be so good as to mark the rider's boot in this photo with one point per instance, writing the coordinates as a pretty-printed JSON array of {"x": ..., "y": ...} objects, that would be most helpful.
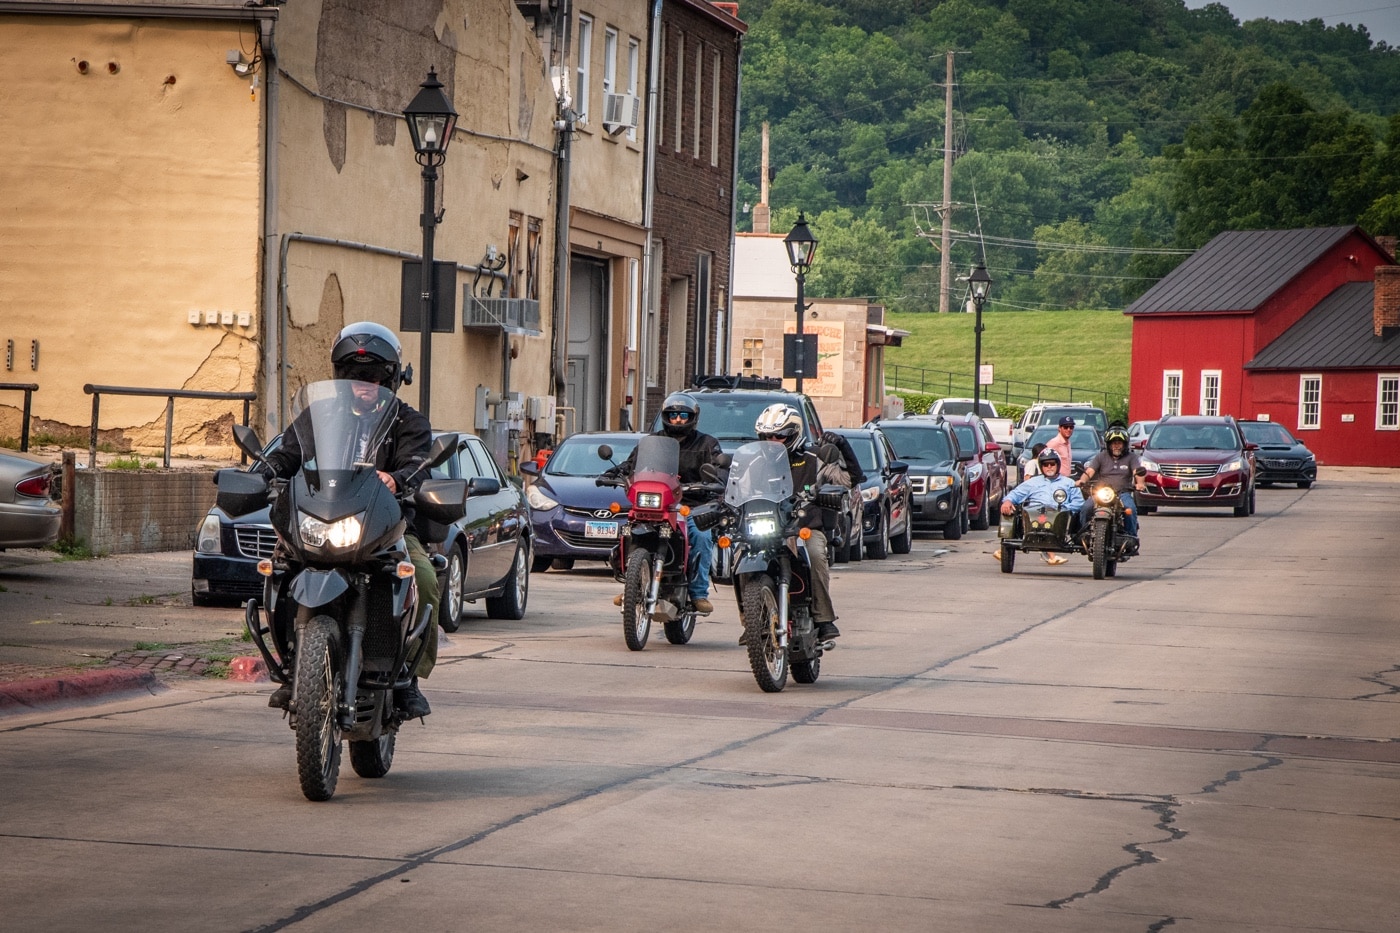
[
  {"x": 411, "y": 702},
  {"x": 702, "y": 606},
  {"x": 281, "y": 698}
]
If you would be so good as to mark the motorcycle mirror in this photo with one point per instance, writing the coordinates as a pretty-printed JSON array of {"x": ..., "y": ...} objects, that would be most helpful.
[
  {"x": 247, "y": 440},
  {"x": 723, "y": 461},
  {"x": 443, "y": 446},
  {"x": 605, "y": 452}
]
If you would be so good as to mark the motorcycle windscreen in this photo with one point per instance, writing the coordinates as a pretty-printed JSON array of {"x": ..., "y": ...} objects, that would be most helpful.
[
  {"x": 340, "y": 424},
  {"x": 657, "y": 453},
  {"x": 759, "y": 471}
]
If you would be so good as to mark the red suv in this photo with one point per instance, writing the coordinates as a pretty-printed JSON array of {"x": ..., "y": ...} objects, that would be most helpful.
[
  {"x": 986, "y": 474},
  {"x": 1200, "y": 461}
]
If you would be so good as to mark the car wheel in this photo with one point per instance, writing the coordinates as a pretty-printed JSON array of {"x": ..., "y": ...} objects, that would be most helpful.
[
  {"x": 841, "y": 553},
  {"x": 1305, "y": 484},
  {"x": 858, "y": 537},
  {"x": 983, "y": 520},
  {"x": 952, "y": 529},
  {"x": 511, "y": 603},
  {"x": 450, "y": 593},
  {"x": 903, "y": 542},
  {"x": 879, "y": 548},
  {"x": 966, "y": 521},
  {"x": 1251, "y": 500},
  {"x": 203, "y": 599}
]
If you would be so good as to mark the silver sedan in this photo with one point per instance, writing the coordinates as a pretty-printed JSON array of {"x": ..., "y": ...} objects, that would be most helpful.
[{"x": 28, "y": 515}]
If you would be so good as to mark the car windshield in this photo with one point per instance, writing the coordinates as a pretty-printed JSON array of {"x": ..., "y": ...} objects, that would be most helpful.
[
  {"x": 1193, "y": 437},
  {"x": 964, "y": 407},
  {"x": 1083, "y": 440},
  {"x": 731, "y": 419},
  {"x": 578, "y": 456},
  {"x": 1270, "y": 435},
  {"x": 864, "y": 446},
  {"x": 913, "y": 442},
  {"x": 1081, "y": 416}
]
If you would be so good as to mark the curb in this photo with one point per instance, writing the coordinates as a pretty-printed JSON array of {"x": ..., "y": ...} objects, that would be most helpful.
[{"x": 21, "y": 696}]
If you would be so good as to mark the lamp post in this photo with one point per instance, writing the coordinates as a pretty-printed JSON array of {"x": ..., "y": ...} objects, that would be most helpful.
[
  {"x": 431, "y": 121},
  {"x": 980, "y": 281},
  {"x": 801, "y": 247}
]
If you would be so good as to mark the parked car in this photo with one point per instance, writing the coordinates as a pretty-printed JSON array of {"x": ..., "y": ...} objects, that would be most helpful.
[
  {"x": 937, "y": 472},
  {"x": 1138, "y": 431},
  {"x": 1198, "y": 461},
  {"x": 887, "y": 523},
  {"x": 1083, "y": 444},
  {"x": 1046, "y": 414},
  {"x": 487, "y": 552},
  {"x": 1000, "y": 428},
  {"x": 28, "y": 515},
  {"x": 986, "y": 473},
  {"x": 568, "y": 510},
  {"x": 1281, "y": 457}
]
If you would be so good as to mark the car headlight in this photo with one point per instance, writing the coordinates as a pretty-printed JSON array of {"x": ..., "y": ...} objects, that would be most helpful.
[
  {"x": 648, "y": 500},
  {"x": 538, "y": 500},
  {"x": 1233, "y": 466},
  {"x": 342, "y": 533},
  {"x": 761, "y": 526},
  {"x": 1150, "y": 465},
  {"x": 1105, "y": 496},
  {"x": 208, "y": 540},
  {"x": 870, "y": 494},
  {"x": 940, "y": 482}
]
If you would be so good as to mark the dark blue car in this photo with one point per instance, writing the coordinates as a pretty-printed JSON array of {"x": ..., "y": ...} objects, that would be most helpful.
[{"x": 568, "y": 510}]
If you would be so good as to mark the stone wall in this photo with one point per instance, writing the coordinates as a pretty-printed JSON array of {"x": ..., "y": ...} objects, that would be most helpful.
[{"x": 133, "y": 512}]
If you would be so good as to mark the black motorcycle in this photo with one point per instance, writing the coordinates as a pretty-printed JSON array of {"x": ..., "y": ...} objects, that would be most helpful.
[
  {"x": 339, "y": 619},
  {"x": 1051, "y": 529},
  {"x": 1107, "y": 538},
  {"x": 763, "y": 554}
]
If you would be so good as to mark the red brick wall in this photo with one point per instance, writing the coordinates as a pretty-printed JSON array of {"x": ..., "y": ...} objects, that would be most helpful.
[{"x": 1387, "y": 306}]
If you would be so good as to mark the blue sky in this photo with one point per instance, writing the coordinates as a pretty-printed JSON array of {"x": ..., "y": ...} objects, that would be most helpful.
[{"x": 1381, "y": 18}]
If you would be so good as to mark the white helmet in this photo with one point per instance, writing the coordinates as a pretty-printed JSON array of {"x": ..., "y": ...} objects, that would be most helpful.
[{"x": 780, "y": 422}]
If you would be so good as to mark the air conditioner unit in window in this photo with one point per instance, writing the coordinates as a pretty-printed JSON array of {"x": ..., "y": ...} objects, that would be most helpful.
[{"x": 621, "y": 112}]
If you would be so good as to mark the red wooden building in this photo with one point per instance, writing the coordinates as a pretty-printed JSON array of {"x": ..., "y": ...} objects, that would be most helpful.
[{"x": 1301, "y": 327}]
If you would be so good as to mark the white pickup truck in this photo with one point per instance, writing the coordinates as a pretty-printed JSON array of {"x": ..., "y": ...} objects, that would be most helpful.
[{"x": 1000, "y": 427}]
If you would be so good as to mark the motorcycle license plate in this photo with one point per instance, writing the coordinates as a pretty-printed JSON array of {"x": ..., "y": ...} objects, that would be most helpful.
[
  {"x": 600, "y": 529},
  {"x": 1190, "y": 485}
]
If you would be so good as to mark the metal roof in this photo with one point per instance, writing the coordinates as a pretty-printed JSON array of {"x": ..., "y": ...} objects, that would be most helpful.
[
  {"x": 1238, "y": 270},
  {"x": 1339, "y": 333}
]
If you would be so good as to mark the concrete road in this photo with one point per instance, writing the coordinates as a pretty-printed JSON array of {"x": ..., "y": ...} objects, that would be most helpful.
[{"x": 1205, "y": 743}]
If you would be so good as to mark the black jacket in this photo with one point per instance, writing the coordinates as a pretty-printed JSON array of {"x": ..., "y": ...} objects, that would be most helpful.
[
  {"x": 804, "y": 465},
  {"x": 401, "y": 454},
  {"x": 697, "y": 449}
]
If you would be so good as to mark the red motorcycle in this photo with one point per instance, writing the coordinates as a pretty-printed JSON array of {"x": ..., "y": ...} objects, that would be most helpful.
[{"x": 653, "y": 558}]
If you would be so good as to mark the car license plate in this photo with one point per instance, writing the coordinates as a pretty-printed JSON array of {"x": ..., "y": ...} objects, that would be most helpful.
[
  {"x": 600, "y": 529},
  {"x": 1190, "y": 485}
]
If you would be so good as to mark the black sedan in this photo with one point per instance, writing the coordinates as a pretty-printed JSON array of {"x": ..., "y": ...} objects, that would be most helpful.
[
  {"x": 888, "y": 523},
  {"x": 487, "y": 553},
  {"x": 1281, "y": 457},
  {"x": 568, "y": 510}
]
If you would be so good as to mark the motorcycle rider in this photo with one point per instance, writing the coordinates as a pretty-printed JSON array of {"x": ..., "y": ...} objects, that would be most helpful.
[
  {"x": 680, "y": 418},
  {"x": 369, "y": 354},
  {"x": 1123, "y": 472},
  {"x": 1040, "y": 490},
  {"x": 780, "y": 422}
]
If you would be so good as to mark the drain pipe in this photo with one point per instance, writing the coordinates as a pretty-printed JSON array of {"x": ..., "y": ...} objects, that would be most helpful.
[
  {"x": 649, "y": 296},
  {"x": 273, "y": 334}
]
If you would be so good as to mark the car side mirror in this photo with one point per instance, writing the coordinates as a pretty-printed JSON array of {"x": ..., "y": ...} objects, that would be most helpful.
[
  {"x": 1250, "y": 445},
  {"x": 530, "y": 468},
  {"x": 483, "y": 486},
  {"x": 898, "y": 466}
]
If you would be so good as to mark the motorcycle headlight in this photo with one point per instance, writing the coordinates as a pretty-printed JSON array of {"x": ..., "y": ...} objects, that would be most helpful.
[
  {"x": 761, "y": 526},
  {"x": 1233, "y": 466},
  {"x": 1105, "y": 496},
  {"x": 648, "y": 500},
  {"x": 342, "y": 533},
  {"x": 208, "y": 540},
  {"x": 940, "y": 482},
  {"x": 871, "y": 494},
  {"x": 538, "y": 500}
]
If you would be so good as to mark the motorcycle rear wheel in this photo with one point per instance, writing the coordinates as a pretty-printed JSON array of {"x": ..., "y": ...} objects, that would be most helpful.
[
  {"x": 767, "y": 657},
  {"x": 679, "y": 631},
  {"x": 636, "y": 621},
  {"x": 374, "y": 757},
  {"x": 319, "y": 686},
  {"x": 807, "y": 672}
]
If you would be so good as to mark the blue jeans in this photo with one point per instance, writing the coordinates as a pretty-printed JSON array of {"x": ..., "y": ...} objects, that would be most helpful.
[
  {"x": 702, "y": 551},
  {"x": 1130, "y": 518}
]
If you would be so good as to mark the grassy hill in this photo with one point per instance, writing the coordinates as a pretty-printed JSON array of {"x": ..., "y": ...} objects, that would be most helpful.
[{"x": 1035, "y": 354}]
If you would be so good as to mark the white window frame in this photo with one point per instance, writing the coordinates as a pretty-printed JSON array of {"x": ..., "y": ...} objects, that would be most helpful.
[
  {"x": 1388, "y": 402},
  {"x": 1210, "y": 400},
  {"x": 1310, "y": 411},
  {"x": 714, "y": 108},
  {"x": 610, "y": 60},
  {"x": 1171, "y": 392},
  {"x": 634, "y": 70},
  {"x": 585, "y": 57}
]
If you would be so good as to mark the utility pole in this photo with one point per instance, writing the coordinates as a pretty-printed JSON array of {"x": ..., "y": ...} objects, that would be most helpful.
[{"x": 945, "y": 266}]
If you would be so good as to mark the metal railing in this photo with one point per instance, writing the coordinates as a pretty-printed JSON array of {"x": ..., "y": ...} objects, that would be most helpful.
[
  {"x": 170, "y": 395},
  {"x": 959, "y": 385},
  {"x": 28, "y": 388}
]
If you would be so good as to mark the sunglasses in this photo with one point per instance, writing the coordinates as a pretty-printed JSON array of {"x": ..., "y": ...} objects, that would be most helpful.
[{"x": 678, "y": 417}]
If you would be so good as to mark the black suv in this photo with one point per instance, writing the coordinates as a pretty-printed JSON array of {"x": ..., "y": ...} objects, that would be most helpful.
[{"x": 937, "y": 471}]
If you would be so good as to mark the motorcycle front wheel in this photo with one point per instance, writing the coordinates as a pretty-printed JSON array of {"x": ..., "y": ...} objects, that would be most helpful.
[
  {"x": 319, "y": 685},
  {"x": 767, "y": 657},
  {"x": 1098, "y": 548},
  {"x": 636, "y": 621}
]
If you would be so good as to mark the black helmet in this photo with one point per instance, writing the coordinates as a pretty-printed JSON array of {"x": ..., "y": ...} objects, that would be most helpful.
[
  {"x": 1047, "y": 455},
  {"x": 1116, "y": 434},
  {"x": 368, "y": 352},
  {"x": 680, "y": 413}
]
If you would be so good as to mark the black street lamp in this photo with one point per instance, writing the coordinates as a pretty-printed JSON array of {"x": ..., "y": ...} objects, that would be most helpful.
[
  {"x": 801, "y": 247},
  {"x": 431, "y": 121},
  {"x": 980, "y": 281}
]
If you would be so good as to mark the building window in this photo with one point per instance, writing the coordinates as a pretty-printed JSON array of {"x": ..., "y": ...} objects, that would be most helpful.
[
  {"x": 703, "y": 264},
  {"x": 714, "y": 109},
  {"x": 532, "y": 259},
  {"x": 609, "y": 61},
  {"x": 653, "y": 336},
  {"x": 661, "y": 95},
  {"x": 1310, "y": 403},
  {"x": 680, "y": 88},
  {"x": 585, "y": 55},
  {"x": 1210, "y": 392},
  {"x": 1388, "y": 403},
  {"x": 753, "y": 356},
  {"x": 1171, "y": 392},
  {"x": 515, "y": 258},
  {"x": 634, "y": 68},
  {"x": 699, "y": 95}
]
